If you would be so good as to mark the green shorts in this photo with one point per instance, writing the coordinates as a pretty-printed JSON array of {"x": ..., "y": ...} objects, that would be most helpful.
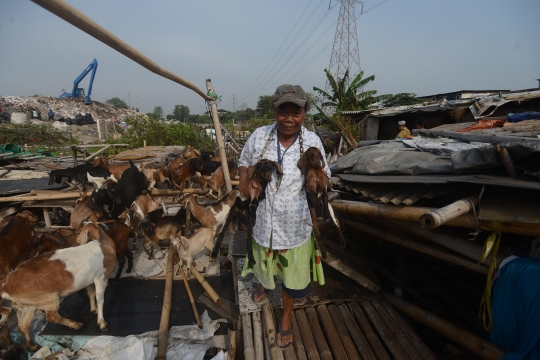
[{"x": 296, "y": 267}]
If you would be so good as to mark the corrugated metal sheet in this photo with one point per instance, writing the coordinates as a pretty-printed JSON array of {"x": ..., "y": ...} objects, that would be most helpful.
[{"x": 396, "y": 193}]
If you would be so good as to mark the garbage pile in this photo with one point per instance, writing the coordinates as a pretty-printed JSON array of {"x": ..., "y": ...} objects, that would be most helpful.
[{"x": 64, "y": 110}]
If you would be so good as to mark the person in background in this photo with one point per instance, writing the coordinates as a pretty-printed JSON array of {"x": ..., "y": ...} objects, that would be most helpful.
[
  {"x": 420, "y": 124},
  {"x": 403, "y": 131},
  {"x": 283, "y": 240},
  {"x": 50, "y": 114}
]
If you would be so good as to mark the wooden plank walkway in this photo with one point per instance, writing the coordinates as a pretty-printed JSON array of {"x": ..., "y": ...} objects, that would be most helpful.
[{"x": 368, "y": 329}]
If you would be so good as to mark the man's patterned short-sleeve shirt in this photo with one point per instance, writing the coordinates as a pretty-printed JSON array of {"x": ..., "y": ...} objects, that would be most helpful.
[{"x": 284, "y": 216}]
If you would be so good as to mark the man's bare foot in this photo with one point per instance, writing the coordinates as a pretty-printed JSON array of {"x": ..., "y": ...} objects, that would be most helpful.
[{"x": 259, "y": 294}]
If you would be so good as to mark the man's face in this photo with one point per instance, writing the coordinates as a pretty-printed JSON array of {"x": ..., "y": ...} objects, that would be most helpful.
[
  {"x": 289, "y": 118},
  {"x": 401, "y": 127}
]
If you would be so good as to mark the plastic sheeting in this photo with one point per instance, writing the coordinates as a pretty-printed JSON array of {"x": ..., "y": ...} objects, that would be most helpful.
[
  {"x": 424, "y": 156},
  {"x": 185, "y": 342}
]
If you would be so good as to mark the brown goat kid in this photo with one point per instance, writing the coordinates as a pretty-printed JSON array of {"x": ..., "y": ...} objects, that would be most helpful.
[
  {"x": 311, "y": 165},
  {"x": 82, "y": 212},
  {"x": 16, "y": 236},
  {"x": 153, "y": 233},
  {"x": 259, "y": 176}
]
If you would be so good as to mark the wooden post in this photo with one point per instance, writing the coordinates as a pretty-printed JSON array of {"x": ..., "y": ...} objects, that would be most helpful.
[
  {"x": 144, "y": 143},
  {"x": 507, "y": 161},
  {"x": 413, "y": 245},
  {"x": 479, "y": 346},
  {"x": 436, "y": 218},
  {"x": 98, "y": 128},
  {"x": 191, "y": 299},
  {"x": 47, "y": 217},
  {"x": 209, "y": 290},
  {"x": 249, "y": 351},
  {"x": 97, "y": 152},
  {"x": 74, "y": 154},
  {"x": 219, "y": 137},
  {"x": 163, "y": 332}
]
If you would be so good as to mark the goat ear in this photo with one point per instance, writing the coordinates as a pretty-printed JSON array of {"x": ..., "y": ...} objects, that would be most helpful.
[
  {"x": 251, "y": 171},
  {"x": 197, "y": 152},
  {"x": 185, "y": 242},
  {"x": 278, "y": 167},
  {"x": 302, "y": 164},
  {"x": 83, "y": 221}
]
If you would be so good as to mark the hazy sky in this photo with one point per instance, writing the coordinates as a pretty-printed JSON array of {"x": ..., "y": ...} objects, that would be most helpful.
[{"x": 420, "y": 46}]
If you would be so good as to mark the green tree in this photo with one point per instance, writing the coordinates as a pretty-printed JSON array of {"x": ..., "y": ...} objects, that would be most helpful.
[
  {"x": 170, "y": 117},
  {"x": 265, "y": 106},
  {"x": 344, "y": 98},
  {"x": 117, "y": 103},
  {"x": 181, "y": 113},
  {"x": 401, "y": 99},
  {"x": 158, "y": 112}
]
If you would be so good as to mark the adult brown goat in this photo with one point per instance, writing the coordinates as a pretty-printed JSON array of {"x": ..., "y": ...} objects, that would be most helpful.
[
  {"x": 16, "y": 236},
  {"x": 311, "y": 165}
]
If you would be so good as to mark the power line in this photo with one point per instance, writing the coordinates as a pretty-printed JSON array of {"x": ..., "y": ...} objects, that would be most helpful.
[
  {"x": 327, "y": 45},
  {"x": 303, "y": 42},
  {"x": 257, "y": 89},
  {"x": 280, "y": 47}
]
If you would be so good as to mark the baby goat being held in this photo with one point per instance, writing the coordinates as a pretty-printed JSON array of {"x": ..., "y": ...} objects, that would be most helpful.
[
  {"x": 259, "y": 176},
  {"x": 311, "y": 165}
]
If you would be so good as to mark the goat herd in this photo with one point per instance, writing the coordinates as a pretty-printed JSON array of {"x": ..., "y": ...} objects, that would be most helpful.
[{"x": 37, "y": 270}]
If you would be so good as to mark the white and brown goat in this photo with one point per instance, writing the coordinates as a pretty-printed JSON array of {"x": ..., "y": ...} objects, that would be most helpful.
[
  {"x": 311, "y": 165},
  {"x": 137, "y": 212},
  {"x": 186, "y": 248},
  {"x": 41, "y": 282},
  {"x": 216, "y": 181}
]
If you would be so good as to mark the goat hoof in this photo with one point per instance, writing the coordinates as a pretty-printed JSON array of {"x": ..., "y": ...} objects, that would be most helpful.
[
  {"x": 33, "y": 347},
  {"x": 76, "y": 325}
]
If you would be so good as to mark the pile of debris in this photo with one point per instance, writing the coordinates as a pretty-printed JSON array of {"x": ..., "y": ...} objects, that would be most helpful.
[{"x": 67, "y": 112}]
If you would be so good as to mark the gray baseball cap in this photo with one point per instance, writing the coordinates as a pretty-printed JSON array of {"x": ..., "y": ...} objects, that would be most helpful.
[{"x": 290, "y": 93}]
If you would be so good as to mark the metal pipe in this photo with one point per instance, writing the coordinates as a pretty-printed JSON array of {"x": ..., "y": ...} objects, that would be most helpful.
[{"x": 76, "y": 18}]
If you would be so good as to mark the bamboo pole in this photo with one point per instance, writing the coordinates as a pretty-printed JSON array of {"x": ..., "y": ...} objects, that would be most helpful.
[
  {"x": 341, "y": 330},
  {"x": 4, "y": 173},
  {"x": 258, "y": 343},
  {"x": 191, "y": 299},
  {"x": 78, "y": 19},
  {"x": 307, "y": 336},
  {"x": 413, "y": 245},
  {"x": 454, "y": 243},
  {"x": 209, "y": 290},
  {"x": 75, "y": 195},
  {"x": 249, "y": 351},
  {"x": 436, "y": 218},
  {"x": 318, "y": 336},
  {"x": 356, "y": 334},
  {"x": 338, "y": 352},
  {"x": 219, "y": 137},
  {"x": 479, "y": 346},
  {"x": 411, "y": 334},
  {"x": 506, "y": 161},
  {"x": 298, "y": 342},
  {"x": 351, "y": 272},
  {"x": 412, "y": 213},
  {"x": 385, "y": 334},
  {"x": 371, "y": 336},
  {"x": 97, "y": 152},
  {"x": 399, "y": 335},
  {"x": 268, "y": 319},
  {"x": 231, "y": 345},
  {"x": 47, "y": 217},
  {"x": 163, "y": 332}
]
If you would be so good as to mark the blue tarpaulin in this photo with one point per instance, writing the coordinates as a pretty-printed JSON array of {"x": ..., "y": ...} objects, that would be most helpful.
[
  {"x": 516, "y": 309},
  {"x": 514, "y": 118}
]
